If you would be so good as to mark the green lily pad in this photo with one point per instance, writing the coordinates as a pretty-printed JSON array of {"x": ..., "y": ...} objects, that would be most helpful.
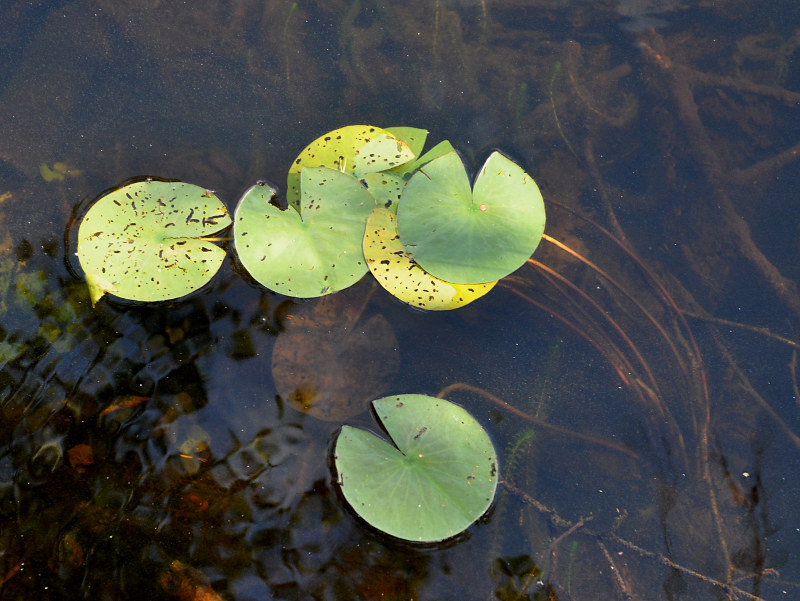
[
  {"x": 400, "y": 275},
  {"x": 336, "y": 149},
  {"x": 441, "y": 149},
  {"x": 379, "y": 154},
  {"x": 413, "y": 136},
  {"x": 385, "y": 188},
  {"x": 308, "y": 253},
  {"x": 473, "y": 235},
  {"x": 439, "y": 478},
  {"x": 145, "y": 241}
]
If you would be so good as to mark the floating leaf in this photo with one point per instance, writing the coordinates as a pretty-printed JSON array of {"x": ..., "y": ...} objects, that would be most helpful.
[
  {"x": 308, "y": 253},
  {"x": 471, "y": 236},
  {"x": 394, "y": 269},
  {"x": 441, "y": 149},
  {"x": 336, "y": 149},
  {"x": 379, "y": 154},
  {"x": 144, "y": 241},
  {"x": 385, "y": 188},
  {"x": 439, "y": 478},
  {"x": 331, "y": 361},
  {"x": 413, "y": 136}
]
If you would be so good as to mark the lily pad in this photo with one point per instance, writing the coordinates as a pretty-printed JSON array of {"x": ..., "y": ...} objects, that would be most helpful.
[
  {"x": 476, "y": 235},
  {"x": 336, "y": 150},
  {"x": 379, "y": 154},
  {"x": 145, "y": 240},
  {"x": 385, "y": 188},
  {"x": 438, "y": 477},
  {"x": 413, "y": 136},
  {"x": 308, "y": 252},
  {"x": 331, "y": 360},
  {"x": 399, "y": 274},
  {"x": 441, "y": 149}
]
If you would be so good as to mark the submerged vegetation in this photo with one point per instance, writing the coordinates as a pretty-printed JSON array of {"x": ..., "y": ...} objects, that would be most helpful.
[{"x": 636, "y": 374}]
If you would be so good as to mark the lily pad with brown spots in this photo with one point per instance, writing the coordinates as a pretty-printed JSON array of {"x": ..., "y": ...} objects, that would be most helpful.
[
  {"x": 394, "y": 269},
  {"x": 148, "y": 240}
]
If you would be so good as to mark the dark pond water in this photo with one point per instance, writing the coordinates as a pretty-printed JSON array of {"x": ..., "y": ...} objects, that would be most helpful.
[{"x": 639, "y": 377}]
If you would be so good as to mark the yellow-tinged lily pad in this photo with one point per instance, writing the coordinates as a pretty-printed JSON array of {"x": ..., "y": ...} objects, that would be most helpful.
[
  {"x": 337, "y": 149},
  {"x": 379, "y": 154},
  {"x": 396, "y": 271},
  {"x": 147, "y": 240}
]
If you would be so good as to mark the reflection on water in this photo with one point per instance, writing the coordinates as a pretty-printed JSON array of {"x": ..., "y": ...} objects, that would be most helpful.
[{"x": 639, "y": 375}]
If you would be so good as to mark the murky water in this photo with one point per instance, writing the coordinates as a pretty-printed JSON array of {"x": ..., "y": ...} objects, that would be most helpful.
[{"x": 638, "y": 377}]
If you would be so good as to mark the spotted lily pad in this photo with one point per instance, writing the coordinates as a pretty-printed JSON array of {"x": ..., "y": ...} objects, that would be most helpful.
[
  {"x": 332, "y": 360},
  {"x": 308, "y": 252},
  {"x": 336, "y": 149},
  {"x": 385, "y": 188},
  {"x": 145, "y": 240},
  {"x": 436, "y": 477},
  {"x": 468, "y": 235},
  {"x": 441, "y": 149},
  {"x": 413, "y": 136},
  {"x": 400, "y": 275},
  {"x": 379, "y": 154}
]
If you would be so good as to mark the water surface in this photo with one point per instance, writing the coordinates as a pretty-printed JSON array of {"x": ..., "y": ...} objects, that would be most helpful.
[{"x": 651, "y": 448}]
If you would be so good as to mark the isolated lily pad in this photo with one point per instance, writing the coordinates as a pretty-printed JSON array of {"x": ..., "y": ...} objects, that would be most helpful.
[
  {"x": 397, "y": 273},
  {"x": 438, "y": 477},
  {"x": 473, "y": 235},
  {"x": 308, "y": 252},
  {"x": 144, "y": 241},
  {"x": 336, "y": 150},
  {"x": 331, "y": 359}
]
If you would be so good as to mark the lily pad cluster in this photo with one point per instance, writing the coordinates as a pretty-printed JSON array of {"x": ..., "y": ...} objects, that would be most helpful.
[{"x": 360, "y": 198}]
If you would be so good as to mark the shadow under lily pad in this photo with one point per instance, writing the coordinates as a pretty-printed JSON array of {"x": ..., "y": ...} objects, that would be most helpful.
[{"x": 332, "y": 360}]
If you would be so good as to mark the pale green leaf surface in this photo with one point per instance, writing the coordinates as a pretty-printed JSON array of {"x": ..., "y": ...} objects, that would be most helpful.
[
  {"x": 413, "y": 136},
  {"x": 398, "y": 274},
  {"x": 441, "y": 149},
  {"x": 311, "y": 253},
  {"x": 439, "y": 478},
  {"x": 385, "y": 188},
  {"x": 144, "y": 241},
  {"x": 471, "y": 236},
  {"x": 335, "y": 149},
  {"x": 379, "y": 154}
]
